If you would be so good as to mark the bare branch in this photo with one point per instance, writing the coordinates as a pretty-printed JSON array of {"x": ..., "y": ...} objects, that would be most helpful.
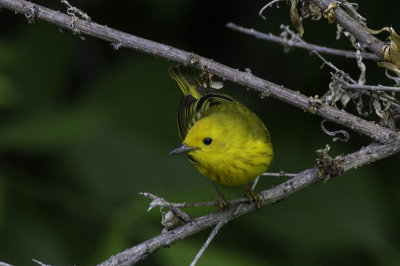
[
  {"x": 280, "y": 174},
  {"x": 246, "y": 79},
  {"x": 299, "y": 43},
  {"x": 254, "y": 183},
  {"x": 160, "y": 202},
  {"x": 370, "y": 87},
  {"x": 40, "y": 263},
  {"x": 208, "y": 242},
  {"x": 354, "y": 26},
  {"x": 171, "y": 205},
  {"x": 337, "y": 70},
  {"x": 351, "y": 8},
  {"x": 367, "y": 155}
]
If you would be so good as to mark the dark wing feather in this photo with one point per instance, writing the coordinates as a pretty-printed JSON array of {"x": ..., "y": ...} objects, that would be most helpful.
[{"x": 191, "y": 110}]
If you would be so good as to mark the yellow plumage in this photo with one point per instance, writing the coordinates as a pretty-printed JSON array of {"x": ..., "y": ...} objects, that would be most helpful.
[{"x": 226, "y": 141}]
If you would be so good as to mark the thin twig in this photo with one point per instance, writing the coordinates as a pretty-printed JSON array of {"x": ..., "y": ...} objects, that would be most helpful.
[
  {"x": 337, "y": 70},
  {"x": 266, "y": 88},
  {"x": 374, "y": 88},
  {"x": 177, "y": 205},
  {"x": 346, "y": 135},
  {"x": 160, "y": 202},
  {"x": 280, "y": 174},
  {"x": 213, "y": 233},
  {"x": 255, "y": 182},
  {"x": 299, "y": 43},
  {"x": 268, "y": 5},
  {"x": 40, "y": 263}
]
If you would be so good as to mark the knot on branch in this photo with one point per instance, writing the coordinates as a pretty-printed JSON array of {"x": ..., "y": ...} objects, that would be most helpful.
[
  {"x": 206, "y": 77},
  {"x": 264, "y": 94},
  {"x": 173, "y": 217},
  {"x": 327, "y": 166},
  {"x": 315, "y": 104},
  {"x": 73, "y": 11},
  {"x": 194, "y": 59},
  {"x": 169, "y": 220},
  {"x": 31, "y": 15},
  {"x": 289, "y": 39},
  {"x": 73, "y": 26},
  {"x": 117, "y": 45}
]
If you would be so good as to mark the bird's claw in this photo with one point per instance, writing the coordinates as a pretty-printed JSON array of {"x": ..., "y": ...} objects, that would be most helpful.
[
  {"x": 253, "y": 196},
  {"x": 222, "y": 203}
]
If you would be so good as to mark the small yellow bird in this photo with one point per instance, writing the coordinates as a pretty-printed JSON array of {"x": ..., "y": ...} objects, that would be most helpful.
[{"x": 226, "y": 141}]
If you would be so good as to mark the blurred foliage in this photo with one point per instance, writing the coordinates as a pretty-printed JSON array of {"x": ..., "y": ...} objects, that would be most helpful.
[{"x": 84, "y": 129}]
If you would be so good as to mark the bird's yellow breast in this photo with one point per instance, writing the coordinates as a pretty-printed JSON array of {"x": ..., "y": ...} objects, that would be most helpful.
[
  {"x": 240, "y": 150},
  {"x": 240, "y": 168}
]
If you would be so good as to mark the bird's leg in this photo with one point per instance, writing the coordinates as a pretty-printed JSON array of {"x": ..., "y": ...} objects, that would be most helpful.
[
  {"x": 222, "y": 203},
  {"x": 253, "y": 196}
]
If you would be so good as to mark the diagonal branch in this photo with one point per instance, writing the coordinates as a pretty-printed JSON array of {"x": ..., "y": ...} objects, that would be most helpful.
[
  {"x": 299, "y": 43},
  {"x": 355, "y": 27},
  {"x": 375, "y": 88},
  {"x": 207, "y": 243},
  {"x": 266, "y": 88},
  {"x": 369, "y": 154}
]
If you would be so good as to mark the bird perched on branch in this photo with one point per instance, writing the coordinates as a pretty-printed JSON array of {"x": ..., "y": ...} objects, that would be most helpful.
[{"x": 226, "y": 141}]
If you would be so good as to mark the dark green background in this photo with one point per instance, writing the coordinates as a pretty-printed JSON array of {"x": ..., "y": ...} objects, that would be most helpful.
[{"x": 84, "y": 129}]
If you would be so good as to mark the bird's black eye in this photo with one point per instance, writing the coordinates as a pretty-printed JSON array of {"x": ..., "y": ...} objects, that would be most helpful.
[{"x": 207, "y": 141}]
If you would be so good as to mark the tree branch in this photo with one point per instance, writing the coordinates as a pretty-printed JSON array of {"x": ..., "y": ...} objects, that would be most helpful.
[
  {"x": 355, "y": 27},
  {"x": 367, "y": 155},
  {"x": 299, "y": 43},
  {"x": 266, "y": 88},
  {"x": 160, "y": 202},
  {"x": 4, "y": 264},
  {"x": 207, "y": 243},
  {"x": 371, "y": 87}
]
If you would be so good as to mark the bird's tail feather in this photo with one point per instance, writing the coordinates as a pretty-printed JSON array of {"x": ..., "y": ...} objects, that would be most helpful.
[{"x": 186, "y": 79}]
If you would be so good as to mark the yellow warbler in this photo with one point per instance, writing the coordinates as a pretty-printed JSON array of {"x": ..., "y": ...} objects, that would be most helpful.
[{"x": 226, "y": 141}]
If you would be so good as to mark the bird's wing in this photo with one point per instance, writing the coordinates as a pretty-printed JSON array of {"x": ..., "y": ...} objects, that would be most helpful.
[{"x": 191, "y": 110}]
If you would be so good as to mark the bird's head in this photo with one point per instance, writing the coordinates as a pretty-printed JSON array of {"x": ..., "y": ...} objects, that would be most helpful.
[{"x": 212, "y": 138}]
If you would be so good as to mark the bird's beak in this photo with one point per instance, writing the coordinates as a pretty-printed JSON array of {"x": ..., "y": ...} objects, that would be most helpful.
[{"x": 183, "y": 148}]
